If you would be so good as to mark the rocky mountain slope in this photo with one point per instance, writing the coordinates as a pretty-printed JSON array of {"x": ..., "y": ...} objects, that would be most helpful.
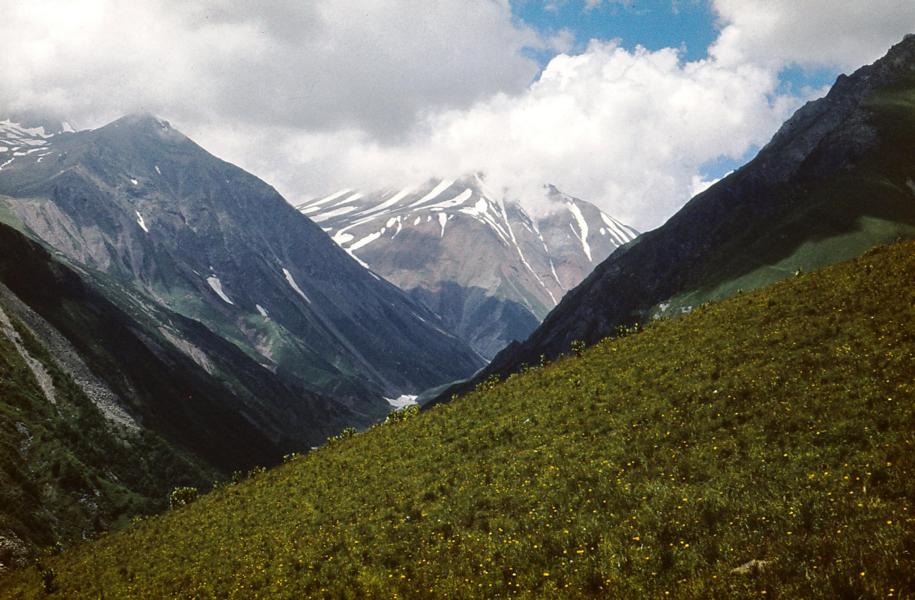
[
  {"x": 838, "y": 178},
  {"x": 150, "y": 368},
  {"x": 148, "y": 213},
  {"x": 486, "y": 266},
  {"x": 83, "y": 392}
]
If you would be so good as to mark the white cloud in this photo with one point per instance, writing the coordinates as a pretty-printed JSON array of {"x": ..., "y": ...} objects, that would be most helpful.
[
  {"x": 314, "y": 96},
  {"x": 318, "y": 65},
  {"x": 843, "y": 34},
  {"x": 628, "y": 129},
  {"x": 698, "y": 184}
]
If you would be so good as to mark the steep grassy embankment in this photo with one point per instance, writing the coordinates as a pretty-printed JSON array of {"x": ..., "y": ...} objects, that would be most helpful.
[{"x": 777, "y": 425}]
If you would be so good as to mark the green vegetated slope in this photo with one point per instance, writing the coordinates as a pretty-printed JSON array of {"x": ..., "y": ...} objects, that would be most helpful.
[
  {"x": 65, "y": 471},
  {"x": 778, "y": 425}
]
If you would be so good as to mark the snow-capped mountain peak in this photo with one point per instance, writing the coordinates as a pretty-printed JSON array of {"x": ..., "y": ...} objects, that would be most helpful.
[{"x": 460, "y": 236}]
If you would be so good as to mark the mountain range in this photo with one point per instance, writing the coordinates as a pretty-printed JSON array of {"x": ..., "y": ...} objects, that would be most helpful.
[
  {"x": 183, "y": 300},
  {"x": 141, "y": 205},
  {"x": 167, "y": 318},
  {"x": 484, "y": 264}
]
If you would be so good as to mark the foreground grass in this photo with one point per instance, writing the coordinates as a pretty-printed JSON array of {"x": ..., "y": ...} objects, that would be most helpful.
[{"x": 777, "y": 426}]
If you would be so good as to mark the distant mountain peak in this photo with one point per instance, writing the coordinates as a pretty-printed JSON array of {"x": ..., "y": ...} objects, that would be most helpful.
[
  {"x": 142, "y": 119},
  {"x": 483, "y": 263},
  {"x": 141, "y": 125}
]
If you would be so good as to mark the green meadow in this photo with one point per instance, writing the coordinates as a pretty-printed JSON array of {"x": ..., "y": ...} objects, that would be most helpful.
[{"x": 777, "y": 426}]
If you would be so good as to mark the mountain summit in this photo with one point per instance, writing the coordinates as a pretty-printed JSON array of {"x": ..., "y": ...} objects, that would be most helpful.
[{"x": 484, "y": 264}]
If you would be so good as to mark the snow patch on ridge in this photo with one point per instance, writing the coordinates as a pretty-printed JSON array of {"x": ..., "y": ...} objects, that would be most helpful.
[
  {"x": 294, "y": 285},
  {"x": 333, "y": 213},
  {"x": 313, "y": 205},
  {"x": 216, "y": 285},
  {"x": 141, "y": 222},
  {"x": 402, "y": 401},
  {"x": 442, "y": 219},
  {"x": 622, "y": 233},
  {"x": 480, "y": 211},
  {"x": 352, "y": 198},
  {"x": 456, "y": 201},
  {"x": 366, "y": 240},
  {"x": 393, "y": 199},
  {"x": 443, "y": 185},
  {"x": 583, "y": 228}
]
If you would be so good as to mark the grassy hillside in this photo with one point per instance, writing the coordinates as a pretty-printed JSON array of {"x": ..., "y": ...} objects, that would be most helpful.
[{"x": 778, "y": 426}]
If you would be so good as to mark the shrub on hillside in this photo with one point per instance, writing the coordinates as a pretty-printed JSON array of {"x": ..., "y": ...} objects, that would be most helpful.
[
  {"x": 403, "y": 414},
  {"x": 182, "y": 496}
]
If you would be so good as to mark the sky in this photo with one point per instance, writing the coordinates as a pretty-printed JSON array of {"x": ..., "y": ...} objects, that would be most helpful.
[{"x": 635, "y": 105}]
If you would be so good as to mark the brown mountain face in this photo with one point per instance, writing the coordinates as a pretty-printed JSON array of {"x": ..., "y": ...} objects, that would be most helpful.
[{"x": 489, "y": 269}]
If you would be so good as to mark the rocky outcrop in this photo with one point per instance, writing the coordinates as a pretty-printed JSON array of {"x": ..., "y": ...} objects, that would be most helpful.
[{"x": 14, "y": 554}]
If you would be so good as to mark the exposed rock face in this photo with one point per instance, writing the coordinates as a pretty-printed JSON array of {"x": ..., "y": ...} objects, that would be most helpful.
[
  {"x": 483, "y": 264},
  {"x": 752, "y": 567},
  {"x": 830, "y": 184}
]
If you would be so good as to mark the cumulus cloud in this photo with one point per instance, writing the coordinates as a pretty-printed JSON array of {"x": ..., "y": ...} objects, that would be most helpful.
[
  {"x": 628, "y": 128},
  {"x": 320, "y": 65},
  {"x": 812, "y": 33},
  {"x": 326, "y": 94}
]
